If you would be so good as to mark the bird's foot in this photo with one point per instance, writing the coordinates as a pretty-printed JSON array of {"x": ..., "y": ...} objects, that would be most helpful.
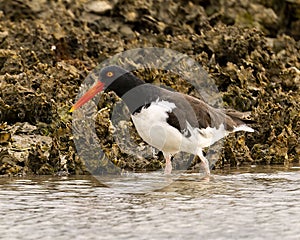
[
  {"x": 205, "y": 175},
  {"x": 168, "y": 168},
  {"x": 205, "y": 166},
  {"x": 206, "y": 170}
]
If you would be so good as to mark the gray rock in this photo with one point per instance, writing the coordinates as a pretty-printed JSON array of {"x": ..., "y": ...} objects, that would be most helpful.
[{"x": 99, "y": 7}]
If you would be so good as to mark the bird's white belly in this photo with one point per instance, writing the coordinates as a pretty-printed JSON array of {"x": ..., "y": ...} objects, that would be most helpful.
[
  {"x": 209, "y": 135},
  {"x": 151, "y": 124},
  {"x": 168, "y": 139},
  {"x": 164, "y": 138}
]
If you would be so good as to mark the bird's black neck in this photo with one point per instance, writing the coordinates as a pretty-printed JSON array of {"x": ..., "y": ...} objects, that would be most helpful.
[{"x": 133, "y": 91}]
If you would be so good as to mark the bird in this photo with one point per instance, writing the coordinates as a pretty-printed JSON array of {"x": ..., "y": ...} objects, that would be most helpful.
[{"x": 168, "y": 120}]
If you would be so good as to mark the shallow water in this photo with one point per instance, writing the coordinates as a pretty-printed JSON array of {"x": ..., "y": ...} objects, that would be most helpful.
[{"x": 254, "y": 203}]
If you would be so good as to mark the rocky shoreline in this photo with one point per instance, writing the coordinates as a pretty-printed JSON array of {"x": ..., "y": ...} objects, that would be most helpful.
[{"x": 47, "y": 48}]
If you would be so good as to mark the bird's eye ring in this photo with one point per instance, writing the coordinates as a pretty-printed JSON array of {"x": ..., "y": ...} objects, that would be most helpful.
[{"x": 109, "y": 74}]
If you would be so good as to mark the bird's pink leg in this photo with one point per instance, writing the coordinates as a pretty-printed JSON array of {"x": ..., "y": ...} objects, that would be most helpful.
[
  {"x": 204, "y": 164},
  {"x": 168, "y": 167}
]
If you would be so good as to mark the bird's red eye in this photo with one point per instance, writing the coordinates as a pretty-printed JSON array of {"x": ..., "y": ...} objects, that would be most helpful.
[{"x": 109, "y": 74}]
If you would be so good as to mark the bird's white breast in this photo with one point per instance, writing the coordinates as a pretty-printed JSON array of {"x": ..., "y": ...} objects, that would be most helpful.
[{"x": 151, "y": 124}]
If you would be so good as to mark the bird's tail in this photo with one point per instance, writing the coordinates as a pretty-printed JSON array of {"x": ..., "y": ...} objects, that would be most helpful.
[{"x": 241, "y": 119}]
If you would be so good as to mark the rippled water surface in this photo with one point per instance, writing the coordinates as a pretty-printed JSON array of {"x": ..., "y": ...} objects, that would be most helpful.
[{"x": 260, "y": 203}]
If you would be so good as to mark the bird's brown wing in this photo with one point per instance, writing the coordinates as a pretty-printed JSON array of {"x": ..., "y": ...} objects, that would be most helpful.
[
  {"x": 212, "y": 117},
  {"x": 199, "y": 114}
]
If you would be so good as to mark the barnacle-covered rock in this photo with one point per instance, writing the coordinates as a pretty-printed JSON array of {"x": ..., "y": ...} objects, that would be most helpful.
[
  {"x": 21, "y": 104},
  {"x": 249, "y": 49},
  {"x": 8, "y": 163}
]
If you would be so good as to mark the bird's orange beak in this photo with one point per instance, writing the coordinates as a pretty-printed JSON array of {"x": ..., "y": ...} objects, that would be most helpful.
[{"x": 98, "y": 87}]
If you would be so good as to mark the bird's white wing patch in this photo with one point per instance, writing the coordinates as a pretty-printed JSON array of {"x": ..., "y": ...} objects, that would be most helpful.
[{"x": 168, "y": 106}]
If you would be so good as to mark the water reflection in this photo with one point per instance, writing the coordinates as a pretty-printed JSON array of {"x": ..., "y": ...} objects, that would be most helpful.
[{"x": 253, "y": 203}]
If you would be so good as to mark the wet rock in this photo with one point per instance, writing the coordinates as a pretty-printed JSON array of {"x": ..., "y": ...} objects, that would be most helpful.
[
  {"x": 5, "y": 137},
  {"x": 8, "y": 163},
  {"x": 98, "y": 7},
  {"x": 22, "y": 9},
  {"x": 3, "y": 35},
  {"x": 249, "y": 48},
  {"x": 126, "y": 31},
  {"x": 22, "y": 104}
]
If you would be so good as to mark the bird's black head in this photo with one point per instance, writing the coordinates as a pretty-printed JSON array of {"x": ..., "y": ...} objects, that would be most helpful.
[
  {"x": 118, "y": 79},
  {"x": 108, "y": 75},
  {"x": 111, "y": 78}
]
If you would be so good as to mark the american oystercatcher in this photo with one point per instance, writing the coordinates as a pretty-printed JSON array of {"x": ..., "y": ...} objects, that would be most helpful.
[{"x": 167, "y": 120}]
